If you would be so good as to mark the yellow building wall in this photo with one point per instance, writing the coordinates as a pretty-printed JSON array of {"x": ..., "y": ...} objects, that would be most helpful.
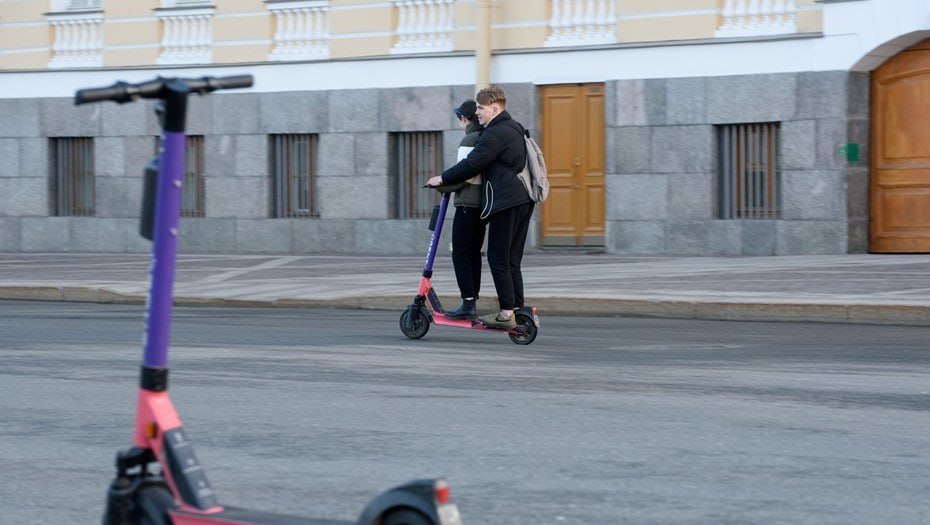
[
  {"x": 130, "y": 33},
  {"x": 258, "y": 27},
  {"x": 518, "y": 24},
  {"x": 239, "y": 6},
  {"x": 25, "y": 11},
  {"x": 378, "y": 19},
  {"x": 361, "y": 47},
  {"x": 127, "y": 9},
  {"x": 628, "y": 7},
  {"x": 657, "y": 29},
  {"x": 31, "y": 60},
  {"x": 130, "y": 57},
  {"x": 25, "y": 36},
  {"x": 243, "y": 53}
]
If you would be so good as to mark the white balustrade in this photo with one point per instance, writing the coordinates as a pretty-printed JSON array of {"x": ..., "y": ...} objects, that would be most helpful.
[
  {"x": 424, "y": 26},
  {"x": 758, "y": 18},
  {"x": 78, "y": 40},
  {"x": 582, "y": 22},
  {"x": 301, "y": 30},
  {"x": 187, "y": 36}
]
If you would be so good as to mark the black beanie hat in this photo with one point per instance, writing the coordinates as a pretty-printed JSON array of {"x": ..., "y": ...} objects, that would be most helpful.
[{"x": 467, "y": 110}]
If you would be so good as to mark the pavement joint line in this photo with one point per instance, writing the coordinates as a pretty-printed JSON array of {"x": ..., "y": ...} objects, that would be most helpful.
[{"x": 275, "y": 262}]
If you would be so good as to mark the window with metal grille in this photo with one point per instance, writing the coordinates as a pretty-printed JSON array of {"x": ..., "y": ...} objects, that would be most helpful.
[
  {"x": 293, "y": 175},
  {"x": 750, "y": 184},
  {"x": 72, "y": 181},
  {"x": 193, "y": 190},
  {"x": 415, "y": 157}
]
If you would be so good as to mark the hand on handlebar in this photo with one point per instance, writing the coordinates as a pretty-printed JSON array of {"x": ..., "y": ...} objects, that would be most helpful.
[{"x": 434, "y": 182}]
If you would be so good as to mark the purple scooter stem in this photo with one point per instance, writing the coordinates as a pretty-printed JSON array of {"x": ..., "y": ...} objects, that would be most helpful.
[
  {"x": 164, "y": 251},
  {"x": 437, "y": 231}
]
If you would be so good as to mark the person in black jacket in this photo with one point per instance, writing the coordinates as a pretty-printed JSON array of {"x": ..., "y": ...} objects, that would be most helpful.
[
  {"x": 467, "y": 225},
  {"x": 499, "y": 155}
]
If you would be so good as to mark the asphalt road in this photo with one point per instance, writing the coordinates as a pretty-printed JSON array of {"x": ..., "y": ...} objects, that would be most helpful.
[{"x": 601, "y": 421}]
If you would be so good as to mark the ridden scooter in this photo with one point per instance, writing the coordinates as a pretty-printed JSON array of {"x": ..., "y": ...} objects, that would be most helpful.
[
  {"x": 159, "y": 480},
  {"x": 426, "y": 307}
]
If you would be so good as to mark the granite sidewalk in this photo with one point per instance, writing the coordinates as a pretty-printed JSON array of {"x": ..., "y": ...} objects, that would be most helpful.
[{"x": 859, "y": 288}]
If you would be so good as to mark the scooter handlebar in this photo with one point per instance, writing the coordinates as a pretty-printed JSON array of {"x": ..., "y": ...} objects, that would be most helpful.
[{"x": 122, "y": 92}]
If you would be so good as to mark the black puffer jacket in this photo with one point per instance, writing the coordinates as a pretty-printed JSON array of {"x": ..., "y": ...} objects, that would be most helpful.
[{"x": 499, "y": 155}]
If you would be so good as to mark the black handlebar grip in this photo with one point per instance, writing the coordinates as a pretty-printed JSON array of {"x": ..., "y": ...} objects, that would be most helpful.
[
  {"x": 234, "y": 82},
  {"x": 116, "y": 92}
]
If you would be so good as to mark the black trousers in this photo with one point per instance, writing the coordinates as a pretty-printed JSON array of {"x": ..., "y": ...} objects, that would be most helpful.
[
  {"x": 507, "y": 232},
  {"x": 467, "y": 238}
]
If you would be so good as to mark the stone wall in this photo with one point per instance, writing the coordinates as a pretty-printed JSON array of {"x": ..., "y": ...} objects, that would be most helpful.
[
  {"x": 353, "y": 185},
  {"x": 662, "y": 164},
  {"x": 661, "y": 158}
]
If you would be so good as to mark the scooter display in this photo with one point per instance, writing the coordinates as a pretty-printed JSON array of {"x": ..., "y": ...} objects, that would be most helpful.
[
  {"x": 426, "y": 307},
  {"x": 158, "y": 479}
]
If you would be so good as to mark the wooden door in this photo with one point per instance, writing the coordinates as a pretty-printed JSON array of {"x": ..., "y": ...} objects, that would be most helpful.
[
  {"x": 900, "y": 166},
  {"x": 572, "y": 140}
]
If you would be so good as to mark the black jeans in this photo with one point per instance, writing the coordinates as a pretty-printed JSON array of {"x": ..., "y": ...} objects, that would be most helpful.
[
  {"x": 467, "y": 238},
  {"x": 507, "y": 230}
]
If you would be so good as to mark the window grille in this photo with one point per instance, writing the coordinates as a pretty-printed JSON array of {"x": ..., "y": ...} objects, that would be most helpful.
[
  {"x": 73, "y": 176},
  {"x": 293, "y": 174},
  {"x": 192, "y": 196},
  {"x": 416, "y": 157},
  {"x": 750, "y": 184}
]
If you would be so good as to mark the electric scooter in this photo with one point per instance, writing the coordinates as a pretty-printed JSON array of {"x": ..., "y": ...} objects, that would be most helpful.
[
  {"x": 159, "y": 480},
  {"x": 426, "y": 307}
]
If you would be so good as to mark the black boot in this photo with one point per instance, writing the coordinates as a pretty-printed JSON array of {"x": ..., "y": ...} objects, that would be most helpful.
[{"x": 466, "y": 311}]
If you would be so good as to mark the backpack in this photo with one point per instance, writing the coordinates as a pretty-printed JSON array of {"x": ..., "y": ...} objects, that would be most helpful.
[{"x": 534, "y": 176}]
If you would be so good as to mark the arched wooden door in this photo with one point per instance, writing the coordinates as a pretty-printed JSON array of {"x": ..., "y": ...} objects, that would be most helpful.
[
  {"x": 900, "y": 166},
  {"x": 572, "y": 134}
]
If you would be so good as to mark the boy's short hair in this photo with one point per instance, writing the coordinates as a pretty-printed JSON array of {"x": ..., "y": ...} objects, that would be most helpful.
[{"x": 490, "y": 95}]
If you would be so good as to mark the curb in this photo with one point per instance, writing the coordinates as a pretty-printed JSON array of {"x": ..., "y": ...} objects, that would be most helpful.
[{"x": 666, "y": 308}]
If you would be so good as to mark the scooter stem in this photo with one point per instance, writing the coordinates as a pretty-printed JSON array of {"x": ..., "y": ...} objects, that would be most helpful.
[
  {"x": 164, "y": 251},
  {"x": 437, "y": 232},
  {"x": 165, "y": 231}
]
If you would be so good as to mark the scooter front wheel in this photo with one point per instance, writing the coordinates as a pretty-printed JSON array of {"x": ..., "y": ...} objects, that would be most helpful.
[
  {"x": 414, "y": 323},
  {"x": 152, "y": 505},
  {"x": 526, "y": 330},
  {"x": 406, "y": 517}
]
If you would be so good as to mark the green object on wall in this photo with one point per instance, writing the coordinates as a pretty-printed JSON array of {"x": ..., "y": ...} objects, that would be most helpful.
[{"x": 850, "y": 151}]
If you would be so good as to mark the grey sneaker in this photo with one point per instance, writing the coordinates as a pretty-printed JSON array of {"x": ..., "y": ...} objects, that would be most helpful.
[{"x": 494, "y": 320}]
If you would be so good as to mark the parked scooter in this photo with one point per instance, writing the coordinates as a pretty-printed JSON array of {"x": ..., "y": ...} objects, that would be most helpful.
[
  {"x": 159, "y": 480},
  {"x": 426, "y": 307}
]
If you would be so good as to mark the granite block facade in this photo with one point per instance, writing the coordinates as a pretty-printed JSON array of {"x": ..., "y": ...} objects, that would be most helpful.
[
  {"x": 666, "y": 200},
  {"x": 661, "y": 166}
]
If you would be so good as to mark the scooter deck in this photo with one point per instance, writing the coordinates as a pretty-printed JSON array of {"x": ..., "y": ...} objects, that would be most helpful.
[
  {"x": 440, "y": 319},
  {"x": 237, "y": 516}
]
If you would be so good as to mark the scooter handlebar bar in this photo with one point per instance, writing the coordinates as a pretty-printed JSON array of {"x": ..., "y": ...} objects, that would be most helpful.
[{"x": 122, "y": 92}]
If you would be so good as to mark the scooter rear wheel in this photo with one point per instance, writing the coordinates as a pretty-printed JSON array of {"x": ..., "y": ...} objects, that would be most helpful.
[
  {"x": 526, "y": 330},
  {"x": 414, "y": 323},
  {"x": 406, "y": 517}
]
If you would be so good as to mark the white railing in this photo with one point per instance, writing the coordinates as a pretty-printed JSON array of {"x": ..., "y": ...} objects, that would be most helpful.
[
  {"x": 424, "y": 26},
  {"x": 758, "y": 18},
  {"x": 301, "y": 30},
  {"x": 187, "y": 36},
  {"x": 582, "y": 22},
  {"x": 78, "y": 40}
]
